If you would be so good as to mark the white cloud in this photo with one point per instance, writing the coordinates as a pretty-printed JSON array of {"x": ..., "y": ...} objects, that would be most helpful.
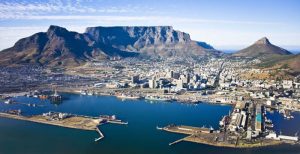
[
  {"x": 116, "y": 19},
  {"x": 20, "y": 10},
  {"x": 69, "y": 10}
]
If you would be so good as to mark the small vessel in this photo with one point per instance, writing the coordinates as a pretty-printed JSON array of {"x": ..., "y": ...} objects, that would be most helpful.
[
  {"x": 83, "y": 92},
  {"x": 108, "y": 117},
  {"x": 32, "y": 105},
  {"x": 269, "y": 125},
  {"x": 43, "y": 96},
  {"x": 268, "y": 121},
  {"x": 128, "y": 96},
  {"x": 157, "y": 98},
  {"x": 9, "y": 101}
]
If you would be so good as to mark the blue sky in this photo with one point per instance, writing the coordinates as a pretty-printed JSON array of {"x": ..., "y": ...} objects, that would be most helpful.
[{"x": 225, "y": 24}]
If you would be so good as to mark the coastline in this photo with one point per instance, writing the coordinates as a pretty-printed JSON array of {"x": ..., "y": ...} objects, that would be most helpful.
[
  {"x": 239, "y": 146},
  {"x": 36, "y": 119},
  {"x": 203, "y": 135},
  {"x": 112, "y": 92}
]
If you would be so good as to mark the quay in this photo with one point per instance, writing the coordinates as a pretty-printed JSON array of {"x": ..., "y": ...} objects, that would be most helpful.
[
  {"x": 177, "y": 141},
  {"x": 245, "y": 127},
  {"x": 66, "y": 120},
  {"x": 75, "y": 122},
  {"x": 211, "y": 137}
]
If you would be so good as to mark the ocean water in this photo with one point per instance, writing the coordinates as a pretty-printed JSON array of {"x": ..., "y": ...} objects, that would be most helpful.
[{"x": 139, "y": 136}]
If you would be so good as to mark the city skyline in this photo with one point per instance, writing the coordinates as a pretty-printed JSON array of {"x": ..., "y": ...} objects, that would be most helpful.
[{"x": 224, "y": 25}]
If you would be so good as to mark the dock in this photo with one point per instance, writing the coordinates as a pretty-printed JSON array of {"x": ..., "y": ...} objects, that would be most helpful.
[
  {"x": 117, "y": 122},
  {"x": 207, "y": 136},
  {"x": 66, "y": 120},
  {"x": 177, "y": 141},
  {"x": 74, "y": 122},
  {"x": 100, "y": 135}
]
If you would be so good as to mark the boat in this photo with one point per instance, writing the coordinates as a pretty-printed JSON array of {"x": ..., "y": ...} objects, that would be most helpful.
[
  {"x": 56, "y": 97},
  {"x": 108, "y": 117},
  {"x": 43, "y": 96},
  {"x": 157, "y": 98},
  {"x": 83, "y": 92},
  {"x": 32, "y": 105},
  {"x": 128, "y": 96},
  {"x": 9, "y": 101},
  {"x": 268, "y": 121},
  {"x": 269, "y": 125}
]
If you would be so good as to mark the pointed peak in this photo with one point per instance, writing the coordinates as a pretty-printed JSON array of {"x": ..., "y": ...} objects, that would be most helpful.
[{"x": 263, "y": 40}]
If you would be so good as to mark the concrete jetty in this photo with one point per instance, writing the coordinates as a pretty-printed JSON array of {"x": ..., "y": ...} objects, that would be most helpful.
[
  {"x": 100, "y": 135},
  {"x": 177, "y": 141}
]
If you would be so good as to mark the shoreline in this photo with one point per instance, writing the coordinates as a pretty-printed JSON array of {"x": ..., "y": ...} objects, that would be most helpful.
[
  {"x": 23, "y": 118},
  {"x": 203, "y": 136},
  {"x": 243, "y": 146},
  {"x": 177, "y": 100}
]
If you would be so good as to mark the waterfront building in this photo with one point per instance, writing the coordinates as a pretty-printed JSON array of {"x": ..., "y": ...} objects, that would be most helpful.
[
  {"x": 152, "y": 84},
  {"x": 179, "y": 84},
  {"x": 258, "y": 119}
]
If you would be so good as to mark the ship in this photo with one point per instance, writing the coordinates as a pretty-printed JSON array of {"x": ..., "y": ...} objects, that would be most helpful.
[
  {"x": 56, "y": 97},
  {"x": 225, "y": 121}
]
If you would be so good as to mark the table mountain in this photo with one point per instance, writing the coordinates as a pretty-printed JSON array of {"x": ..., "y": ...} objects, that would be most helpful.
[{"x": 58, "y": 46}]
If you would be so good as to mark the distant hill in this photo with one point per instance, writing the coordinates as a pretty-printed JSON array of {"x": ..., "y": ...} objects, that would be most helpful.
[
  {"x": 261, "y": 48},
  {"x": 291, "y": 62},
  {"x": 58, "y": 46}
]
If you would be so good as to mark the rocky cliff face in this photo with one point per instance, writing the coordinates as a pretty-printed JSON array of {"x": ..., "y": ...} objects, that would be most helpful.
[
  {"x": 161, "y": 41},
  {"x": 137, "y": 37},
  {"x": 58, "y": 46}
]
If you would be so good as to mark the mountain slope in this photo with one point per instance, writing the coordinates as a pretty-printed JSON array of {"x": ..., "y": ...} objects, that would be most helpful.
[
  {"x": 262, "y": 47},
  {"x": 293, "y": 63},
  {"x": 58, "y": 46}
]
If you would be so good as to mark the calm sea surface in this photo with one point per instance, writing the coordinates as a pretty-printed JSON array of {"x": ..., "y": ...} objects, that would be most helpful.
[{"x": 139, "y": 136}]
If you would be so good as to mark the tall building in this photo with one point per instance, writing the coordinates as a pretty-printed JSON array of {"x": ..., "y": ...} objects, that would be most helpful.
[
  {"x": 170, "y": 74},
  {"x": 135, "y": 79},
  {"x": 152, "y": 84},
  {"x": 176, "y": 75},
  {"x": 179, "y": 84}
]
